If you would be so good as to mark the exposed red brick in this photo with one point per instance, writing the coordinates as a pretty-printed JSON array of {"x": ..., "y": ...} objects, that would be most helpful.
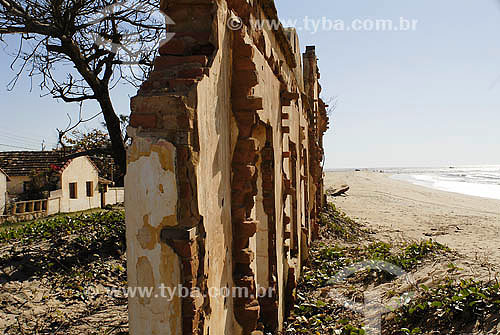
[
  {"x": 245, "y": 78},
  {"x": 200, "y": 37},
  {"x": 238, "y": 214},
  {"x": 147, "y": 120},
  {"x": 240, "y": 242},
  {"x": 180, "y": 84},
  {"x": 254, "y": 103},
  {"x": 182, "y": 153},
  {"x": 175, "y": 46},
  {"x": 289, "y": 291},
  {"x": 245, "y": 256},
  {"x": 245, "y": 117},
  {"x": 246, "y": 229},
  {"x": 165, "y": 62},
  {"x": 245, "y": 171},
  {"x": 185, "y": 248},
  {"x": 242, "y": 184},
  {"x": 191, "y": 73},
  {"x": 185, "y": 191},
  {"x": 183, "y": 120},
  {"x": 246, "y": 129},
  {"x": 290, "y": 95},
  {"x": 247, "y": 316},
  {"x": 238, "y": 200}
]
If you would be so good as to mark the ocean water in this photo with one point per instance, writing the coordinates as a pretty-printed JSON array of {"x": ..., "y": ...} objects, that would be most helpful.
[{"x": 481, "y": 181}]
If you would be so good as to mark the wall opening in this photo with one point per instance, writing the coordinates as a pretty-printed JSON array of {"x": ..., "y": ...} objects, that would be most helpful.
[{"x": 73, "y": 191}]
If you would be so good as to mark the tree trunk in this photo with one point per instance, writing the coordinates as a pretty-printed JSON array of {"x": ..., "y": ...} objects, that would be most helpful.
[{"x": 115, "y": 134}]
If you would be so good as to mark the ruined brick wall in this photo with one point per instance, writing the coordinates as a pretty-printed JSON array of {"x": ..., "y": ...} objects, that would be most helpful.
[{"x": 224, "y": 181}]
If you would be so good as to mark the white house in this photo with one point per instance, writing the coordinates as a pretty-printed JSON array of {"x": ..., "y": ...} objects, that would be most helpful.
[
  {"x": 3, "y": 191},
  {"x": 74, "y": 183},
  {"x": 79, "y": 186}
]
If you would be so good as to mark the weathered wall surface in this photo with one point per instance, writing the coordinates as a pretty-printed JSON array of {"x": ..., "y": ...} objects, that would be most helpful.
[
  {"x": 224, "y": 178},
  {"x": 15, "y": 185},
  {"x": 151, "y": 262},
  {"x": 114, "y": 195},
  {"x": 54, "y": 202},
  {"x": 3, "y": 191}
]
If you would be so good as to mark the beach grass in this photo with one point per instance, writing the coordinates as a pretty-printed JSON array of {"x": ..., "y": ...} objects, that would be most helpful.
[{"x": 345, "y": 243}]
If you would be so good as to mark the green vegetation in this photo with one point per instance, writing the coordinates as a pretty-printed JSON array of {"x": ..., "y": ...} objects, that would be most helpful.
[
  {"x": 453, "y": 304},
  {"x": 96, "y": 224},
  {"x": 10, "y": 226},
  {"x": 60, "y": 257},
  {"x": 338, "y": 225},
  {"x": 341, "y": 246},
  {"x": 409, "y": 257},
  {"x": 327, "y": 259},
  {"x": 68, "y": 240}
]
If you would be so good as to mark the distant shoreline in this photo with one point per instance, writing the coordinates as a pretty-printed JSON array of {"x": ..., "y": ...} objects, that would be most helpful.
[
  {"x": 393, "y": 168},
  {"x": 400, "y": 210},
  {"x": 479, "y": 180}
]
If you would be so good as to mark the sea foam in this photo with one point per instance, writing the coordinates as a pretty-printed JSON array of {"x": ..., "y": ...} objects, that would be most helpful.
[{"x": 482, "y": 181}]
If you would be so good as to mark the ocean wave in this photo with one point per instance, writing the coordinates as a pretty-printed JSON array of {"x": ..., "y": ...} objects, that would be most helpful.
[{"x": 483, "y": 181}]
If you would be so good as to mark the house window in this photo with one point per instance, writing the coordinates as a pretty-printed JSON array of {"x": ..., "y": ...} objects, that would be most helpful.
[
  {"x": 90, "y": 189},
  {"x": 73, "y": 191},
  {"x": 26, "y": 186}
]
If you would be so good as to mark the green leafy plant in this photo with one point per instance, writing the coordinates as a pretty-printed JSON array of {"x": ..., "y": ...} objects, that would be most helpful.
[
  {"x": 464, "y": 301},
  {"x": 68, "y": 240},
  {"x": 339, "y": 225}
]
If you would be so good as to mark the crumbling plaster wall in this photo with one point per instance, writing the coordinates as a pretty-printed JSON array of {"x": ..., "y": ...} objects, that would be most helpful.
[
  {"x": 217, "y": 134},
  {"x": 3, "y": 192},
  {"x": 150, "y": 262},
  {"x": 209, "y": 197}
]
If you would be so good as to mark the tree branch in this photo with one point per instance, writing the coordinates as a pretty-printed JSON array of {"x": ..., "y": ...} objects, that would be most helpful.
[
  {"x": 75, "y": 99},
  {"x": 14, "y": 30},
  {"x": 65, "y": 32}
]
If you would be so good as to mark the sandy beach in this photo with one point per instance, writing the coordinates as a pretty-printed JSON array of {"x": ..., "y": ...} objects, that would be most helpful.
[{"x": 397, "y": 210}]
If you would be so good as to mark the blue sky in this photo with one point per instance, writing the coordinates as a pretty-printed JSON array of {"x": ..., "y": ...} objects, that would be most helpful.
[
  {"x": 429, "y": 97},
  {"x": 422, "y": 98}
]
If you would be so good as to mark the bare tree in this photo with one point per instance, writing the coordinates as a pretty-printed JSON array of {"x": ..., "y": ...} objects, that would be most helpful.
[
  {"x": 71, "y": 127},
  {"x": 103, "y": 41}
]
